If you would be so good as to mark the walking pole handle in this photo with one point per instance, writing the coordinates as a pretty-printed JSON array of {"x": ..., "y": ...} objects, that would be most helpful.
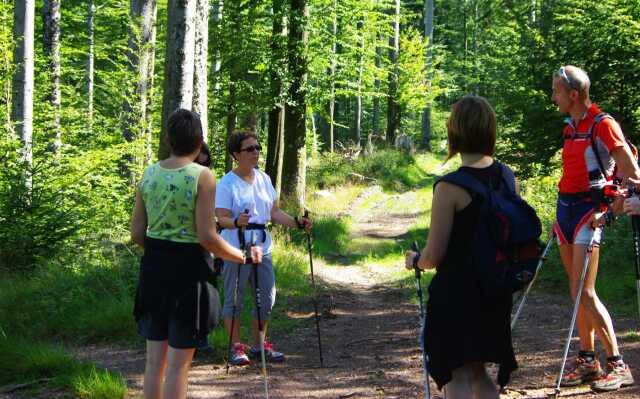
[{"x": 416, "y": 249}]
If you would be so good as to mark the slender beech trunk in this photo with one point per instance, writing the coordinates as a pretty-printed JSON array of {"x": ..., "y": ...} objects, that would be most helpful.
[
  {"x": 23, "y": 54},
  {"x": 179, "y": 59},
  {"x": 200, "y": 84},
  {"x": 276, "y": 114},
  {"x": 393, "y": 108},
  {"x": 375, "y": 123},
  {"x": 141, "y": 56},
  {"x": 428, "y": 34},
  {"x": 90, "y": 61},
  {"x": 358, "y": 110},
  {"x": 332, "y": 73},
  {"x": 51, "y": 41},
  {"x": 293, "y": 172}
]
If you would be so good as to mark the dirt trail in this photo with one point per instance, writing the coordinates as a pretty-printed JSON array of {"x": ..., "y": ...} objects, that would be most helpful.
[{"x": 369, "y": 338}]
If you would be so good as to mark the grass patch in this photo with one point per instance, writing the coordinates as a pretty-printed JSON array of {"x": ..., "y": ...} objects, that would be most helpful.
[
  {"x": 91, "y": 303},
  {"x": 24, "y": 361}
]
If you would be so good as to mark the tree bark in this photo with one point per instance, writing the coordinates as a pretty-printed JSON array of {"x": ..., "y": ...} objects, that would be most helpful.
[
  {"x": 393, "y": 108},
  {"x": 375, "y": 122},
  {"x": 90, "y": 61},
  {"x": 276, "y": 114},
  {"x": 200, "y": 84},
  {"x": 23, "y": 58},
  {"x": 51, "y": 41},
  {"x": 332, "y": 73},
  {"x": 179, "y": 61},
  {"x": 428, "y": 34},
  {"x": 358, "y": 110},
  {"x": 293, "y": 172},
  {"x": 141, "y": 56}
]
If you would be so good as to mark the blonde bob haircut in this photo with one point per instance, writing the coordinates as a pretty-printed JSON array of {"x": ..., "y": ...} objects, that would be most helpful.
[{"x": 471, "y": 128}]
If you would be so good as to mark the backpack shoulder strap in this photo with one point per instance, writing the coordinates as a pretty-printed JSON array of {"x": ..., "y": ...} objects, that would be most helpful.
[
  {"x": 466, "y": 181},
  {"x": 598, "y": 118},
  {"x": 508, "y": 177}
]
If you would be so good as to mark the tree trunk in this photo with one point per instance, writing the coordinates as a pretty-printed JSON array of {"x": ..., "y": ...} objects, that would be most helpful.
[
  {"x": 232, "y": 118},
  {"x": 23, "y": 54},
  {"x": 90, "y": 61},
  {"x": 375, "y": 123},
  {"x": 141, "y": 55},
  {"x": 179, "y": 61},
  {"x": 332, "y": 73},
  {"x": 200, "y": 84},
  {"x": 293, "y": 172},
  {"x": 276, "y": 114},
  {"x": 393, "y": 108},
  {"x": 358, "y": 110},
  {"x": 148, "y": 128},
  {"x": 51, "y": 40},
  {"x": 428, "y": 34},
  {"x": 216, "y": 78}
]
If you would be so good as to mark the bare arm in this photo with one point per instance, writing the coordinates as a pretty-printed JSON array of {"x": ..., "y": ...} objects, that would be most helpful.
[
  {"x": 205, "y": 224},
  {"x": 626, "y": 162},
  {"x": 139, "y": 221},
  {"x": 447, "y": 199},
  {"x": 279, "y": 216}
]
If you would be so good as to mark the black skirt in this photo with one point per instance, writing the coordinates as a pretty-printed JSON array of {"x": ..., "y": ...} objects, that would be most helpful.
[{"x": 174, "y": 281}]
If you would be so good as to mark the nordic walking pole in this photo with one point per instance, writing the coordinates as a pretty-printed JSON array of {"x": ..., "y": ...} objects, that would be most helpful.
[
  {"x": 315, "y": 292},
  {"x": 260, "y": 326},
  {"x": 543, "y": 257},
  {"x": 635, "y": 224},
  {"x": 423, "y": 320},
  {"x": 235, "y": 293},
  {"x": 576, "y": 306}
]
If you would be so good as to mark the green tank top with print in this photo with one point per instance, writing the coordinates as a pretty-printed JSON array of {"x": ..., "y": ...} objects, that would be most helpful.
[{"x": 170, "y": 200}]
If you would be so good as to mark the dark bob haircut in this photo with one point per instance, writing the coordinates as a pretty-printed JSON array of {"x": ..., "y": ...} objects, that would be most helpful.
[
  {"x": 204, "y": 150},
  {"x": 235, "y": 140},
  {"x": 184, "y": 132},
  {"x": 471, "y": 128}
]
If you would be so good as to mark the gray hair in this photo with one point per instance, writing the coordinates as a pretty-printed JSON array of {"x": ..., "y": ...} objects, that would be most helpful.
[{"x": 574, "y": 78}]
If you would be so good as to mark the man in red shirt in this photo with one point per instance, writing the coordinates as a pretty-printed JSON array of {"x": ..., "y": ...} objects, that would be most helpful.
[{"x": 592, "y": 147}]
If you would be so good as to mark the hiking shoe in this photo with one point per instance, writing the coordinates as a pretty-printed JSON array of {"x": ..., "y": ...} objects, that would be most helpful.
[
  {"x": 583, "y": 371},
  {"x": 618, "y": 375},
  {"x": 270, "y": 355},
  {"x": 237, "y": 356}
]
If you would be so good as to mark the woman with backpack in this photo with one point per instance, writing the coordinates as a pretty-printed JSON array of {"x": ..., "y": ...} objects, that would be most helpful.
[
  {"x": 465, "y": 327},
  {"x": 173, "y": 222}
]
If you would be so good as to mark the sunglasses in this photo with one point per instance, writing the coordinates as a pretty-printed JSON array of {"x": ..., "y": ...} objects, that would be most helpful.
[
  {"x": 563, "y": 74},
  {"x": 252, "y": 148}
]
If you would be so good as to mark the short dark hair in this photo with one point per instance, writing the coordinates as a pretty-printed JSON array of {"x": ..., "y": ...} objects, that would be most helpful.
[
  {"x": 184, "y": 132},
  {"x": 205, "y": 150},
  {"x": 471, "y": 128},
  {"x": 234, "y": 144}
]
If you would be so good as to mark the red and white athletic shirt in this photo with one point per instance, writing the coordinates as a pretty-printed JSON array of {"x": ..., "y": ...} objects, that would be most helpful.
[{"x": 580, "y": 170}]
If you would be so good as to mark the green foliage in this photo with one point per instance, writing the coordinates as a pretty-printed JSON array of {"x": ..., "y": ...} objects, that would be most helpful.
[
  {"x": 89, "y": 300},
  {"x": 391, "y": 169},
  {"x": 26, "y": 361}
]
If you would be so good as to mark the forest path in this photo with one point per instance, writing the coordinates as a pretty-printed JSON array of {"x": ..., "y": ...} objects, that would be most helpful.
[{"x": 370, "y": 329}]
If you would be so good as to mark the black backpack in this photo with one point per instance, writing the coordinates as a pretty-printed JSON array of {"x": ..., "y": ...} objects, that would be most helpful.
[{"x": 505, "y": 247}]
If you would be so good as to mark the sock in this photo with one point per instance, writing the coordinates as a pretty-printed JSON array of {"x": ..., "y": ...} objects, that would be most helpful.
[{"x": 588, "y": 355}]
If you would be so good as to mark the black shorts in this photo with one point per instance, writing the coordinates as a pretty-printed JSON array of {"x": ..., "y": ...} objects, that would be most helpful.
[{"x": 163, "y": 328}]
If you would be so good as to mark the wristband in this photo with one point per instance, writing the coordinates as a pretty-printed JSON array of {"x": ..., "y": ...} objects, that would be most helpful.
[
  {"x": 235, "y": 223},
  {"x": 298, "y": 223}
]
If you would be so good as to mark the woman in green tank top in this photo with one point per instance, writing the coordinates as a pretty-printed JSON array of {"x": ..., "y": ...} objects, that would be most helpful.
[{"x": 173, "y": 221}]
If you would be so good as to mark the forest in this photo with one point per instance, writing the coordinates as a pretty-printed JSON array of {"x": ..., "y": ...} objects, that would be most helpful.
[{"x": 327, "y": 85}]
